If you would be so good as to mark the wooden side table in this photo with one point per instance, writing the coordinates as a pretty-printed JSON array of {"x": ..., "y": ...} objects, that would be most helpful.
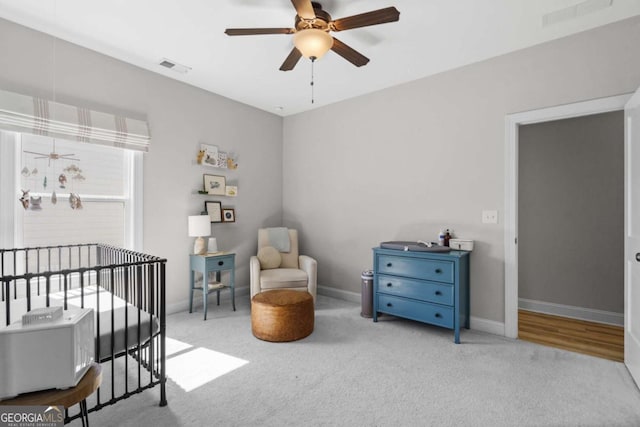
[
  {"x": 67, "y": 398},
  {"x": 215, "y": 263}
]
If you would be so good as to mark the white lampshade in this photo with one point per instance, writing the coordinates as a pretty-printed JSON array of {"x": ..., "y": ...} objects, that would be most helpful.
[
  {"x": 199, "y": 226},
  {"x": 312, "y": 43}
]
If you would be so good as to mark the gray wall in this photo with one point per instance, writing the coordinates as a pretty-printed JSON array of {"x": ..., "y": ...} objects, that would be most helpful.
[
  {"x": 180, "y": 118},
  {"x": 404, "y": 162},
  {"x": 397, "y": 164},
  {"x": 571, "y": 212}
]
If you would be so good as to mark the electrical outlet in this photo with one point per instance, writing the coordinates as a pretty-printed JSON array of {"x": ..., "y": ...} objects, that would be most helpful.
[{"x": 489, "y": 217}]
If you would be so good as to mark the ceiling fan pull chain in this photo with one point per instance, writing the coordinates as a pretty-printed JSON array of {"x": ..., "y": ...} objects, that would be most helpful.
[{"x": 313, "y": 60}]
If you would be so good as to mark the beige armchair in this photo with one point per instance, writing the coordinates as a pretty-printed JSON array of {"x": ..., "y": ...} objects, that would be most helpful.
[{"x": 294, "y": 271}]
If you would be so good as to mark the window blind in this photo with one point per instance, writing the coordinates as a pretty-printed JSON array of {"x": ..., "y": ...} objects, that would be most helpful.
[{"x": 39, "y": 116}]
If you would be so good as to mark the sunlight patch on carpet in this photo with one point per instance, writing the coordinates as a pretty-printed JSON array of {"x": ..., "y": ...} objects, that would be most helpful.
[
  {"x": 197, "y": 367},
  {"x": 175, "y": 346}
]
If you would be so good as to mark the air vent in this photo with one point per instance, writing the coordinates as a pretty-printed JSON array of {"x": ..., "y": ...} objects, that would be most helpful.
[
  {"x": 174, "y": 66},
  {"x": 575, "y": 11}
]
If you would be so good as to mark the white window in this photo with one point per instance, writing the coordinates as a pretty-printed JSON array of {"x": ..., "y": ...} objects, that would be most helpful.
[{"x": 78, "y": 192}]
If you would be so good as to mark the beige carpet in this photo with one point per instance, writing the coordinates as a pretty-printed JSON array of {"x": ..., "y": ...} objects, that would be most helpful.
[{"x": 353, "y": 372}]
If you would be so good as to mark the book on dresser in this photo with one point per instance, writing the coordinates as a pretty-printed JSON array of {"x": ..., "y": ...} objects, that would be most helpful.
[{"x": 428, "y": 287}]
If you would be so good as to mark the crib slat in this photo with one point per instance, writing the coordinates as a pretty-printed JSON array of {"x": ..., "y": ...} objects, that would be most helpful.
[{"x": 7, "y": 285}]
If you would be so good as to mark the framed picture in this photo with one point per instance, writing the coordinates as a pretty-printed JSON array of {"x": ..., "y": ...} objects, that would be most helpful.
[
  {"x": 222, "y": 159},
  {"x": 214, "y": 210},
  {"x": 228, "y": 215},
  {"x": 231, "y": 190},
  {"x": 208, "y": 155},
  {"x": 214, "y": 185}
]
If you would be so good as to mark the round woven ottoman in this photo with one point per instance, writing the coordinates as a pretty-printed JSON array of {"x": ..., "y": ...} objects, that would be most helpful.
[{"x": 282, "y": 315}]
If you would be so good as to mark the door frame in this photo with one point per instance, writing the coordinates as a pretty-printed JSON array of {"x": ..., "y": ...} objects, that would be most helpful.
[{"x": 512, "y": 122}]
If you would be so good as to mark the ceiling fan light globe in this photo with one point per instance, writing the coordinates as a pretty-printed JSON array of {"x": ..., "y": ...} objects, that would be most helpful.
[{"x": 312, "y": 43}]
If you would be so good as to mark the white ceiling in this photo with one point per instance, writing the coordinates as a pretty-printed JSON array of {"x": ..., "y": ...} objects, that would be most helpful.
[{"x": 432, "y": 36}]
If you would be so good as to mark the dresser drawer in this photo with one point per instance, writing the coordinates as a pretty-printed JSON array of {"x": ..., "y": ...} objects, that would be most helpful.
[
  {"x": 416, "y": 310},
  {"x": 428, "y": 269},
  {"x": 417, "y": 289}
]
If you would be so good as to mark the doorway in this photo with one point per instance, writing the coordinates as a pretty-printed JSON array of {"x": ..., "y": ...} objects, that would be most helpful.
[
  {"x": 571, "y": 233},
  {"x": 512, "y": 124}
]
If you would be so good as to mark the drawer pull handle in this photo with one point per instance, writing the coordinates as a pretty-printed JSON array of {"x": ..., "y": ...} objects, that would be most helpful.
[
  {"x": 438, "y": 271},
  {"x": 389, "y": 264},
  {"x": 220, "y": 262},
  {"x": 389, "y": 304},
  {"x": 438, "y": 315},
  {"x": 438, "y": 293},
  {"x": 638, "y": 256},
  {"x": 389, "y": 285}
]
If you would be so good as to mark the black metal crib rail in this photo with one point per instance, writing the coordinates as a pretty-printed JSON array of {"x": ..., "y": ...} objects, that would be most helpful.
[{"x": 137, "y": 278}]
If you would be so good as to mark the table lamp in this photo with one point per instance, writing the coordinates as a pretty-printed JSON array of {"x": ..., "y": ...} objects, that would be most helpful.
[{"x": 199, "y": 227}]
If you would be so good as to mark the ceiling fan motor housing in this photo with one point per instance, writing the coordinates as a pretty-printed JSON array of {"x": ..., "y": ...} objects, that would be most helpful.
[{"x": 320, "y": 22}]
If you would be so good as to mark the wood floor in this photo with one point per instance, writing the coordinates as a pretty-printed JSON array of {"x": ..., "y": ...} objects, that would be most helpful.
[{"x": 595, "y": 339}]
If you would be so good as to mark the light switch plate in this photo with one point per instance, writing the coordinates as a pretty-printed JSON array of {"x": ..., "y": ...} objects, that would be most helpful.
[{"x": 489, "y": 217}]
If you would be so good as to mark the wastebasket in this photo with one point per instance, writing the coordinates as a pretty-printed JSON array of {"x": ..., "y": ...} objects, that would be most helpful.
[{"x": 367, "y": 294}]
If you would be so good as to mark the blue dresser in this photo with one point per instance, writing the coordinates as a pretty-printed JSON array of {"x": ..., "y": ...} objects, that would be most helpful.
[{"x": 429, "y": 287}]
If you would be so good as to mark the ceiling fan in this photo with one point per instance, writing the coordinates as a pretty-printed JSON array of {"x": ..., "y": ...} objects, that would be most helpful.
[{"x": 311, "y": 36}]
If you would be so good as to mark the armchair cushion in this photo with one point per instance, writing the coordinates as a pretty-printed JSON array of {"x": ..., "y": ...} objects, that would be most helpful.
[
  {"x": 283, "y": 278},
  {"x": 289, "y": 259},
  {"x": 269, "y": 258}
]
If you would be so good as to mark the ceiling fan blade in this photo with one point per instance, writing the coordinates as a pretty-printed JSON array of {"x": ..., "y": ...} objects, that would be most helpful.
[
  {"x": 257, "y": 31},
  {"x": 348, "y": 53},
  {"x": 304, "y": 9},
  {"x": 291, "y": 60},
  {"x": 380, "y": 16}
]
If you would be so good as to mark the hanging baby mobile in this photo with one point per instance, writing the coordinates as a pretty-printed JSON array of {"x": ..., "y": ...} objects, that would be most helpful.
[{"x": 64, "y": 173}]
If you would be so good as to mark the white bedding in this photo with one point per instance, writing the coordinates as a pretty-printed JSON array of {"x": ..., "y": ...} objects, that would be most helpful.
[{"x": 111, "y": 308}]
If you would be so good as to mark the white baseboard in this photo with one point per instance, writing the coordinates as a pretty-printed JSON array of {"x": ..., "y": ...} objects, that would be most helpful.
[
  {"x": 340, "y": 294},
  {"x": 486, "y": 325},
  {"x": 573, "y": 312},
  {"x": 177, "y": 307}
]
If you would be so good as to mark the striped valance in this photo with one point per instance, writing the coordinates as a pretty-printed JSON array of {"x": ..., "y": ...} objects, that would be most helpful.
[{"x": 21, "y": 113}]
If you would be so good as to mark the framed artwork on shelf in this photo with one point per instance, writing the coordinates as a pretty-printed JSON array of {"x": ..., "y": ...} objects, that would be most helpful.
[
  {"x": 214, "y": 184},
  {"x": 222, "y": 160},
  {"x": 214, "y": 210},
  {"x": 208, "y": 155},
  {"x": 231, "y": 190},
  {"x": 228, "y": 215}
]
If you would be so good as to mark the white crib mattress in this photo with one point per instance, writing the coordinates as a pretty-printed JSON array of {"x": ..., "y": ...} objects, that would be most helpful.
[{"x": 107, "y": 308}]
